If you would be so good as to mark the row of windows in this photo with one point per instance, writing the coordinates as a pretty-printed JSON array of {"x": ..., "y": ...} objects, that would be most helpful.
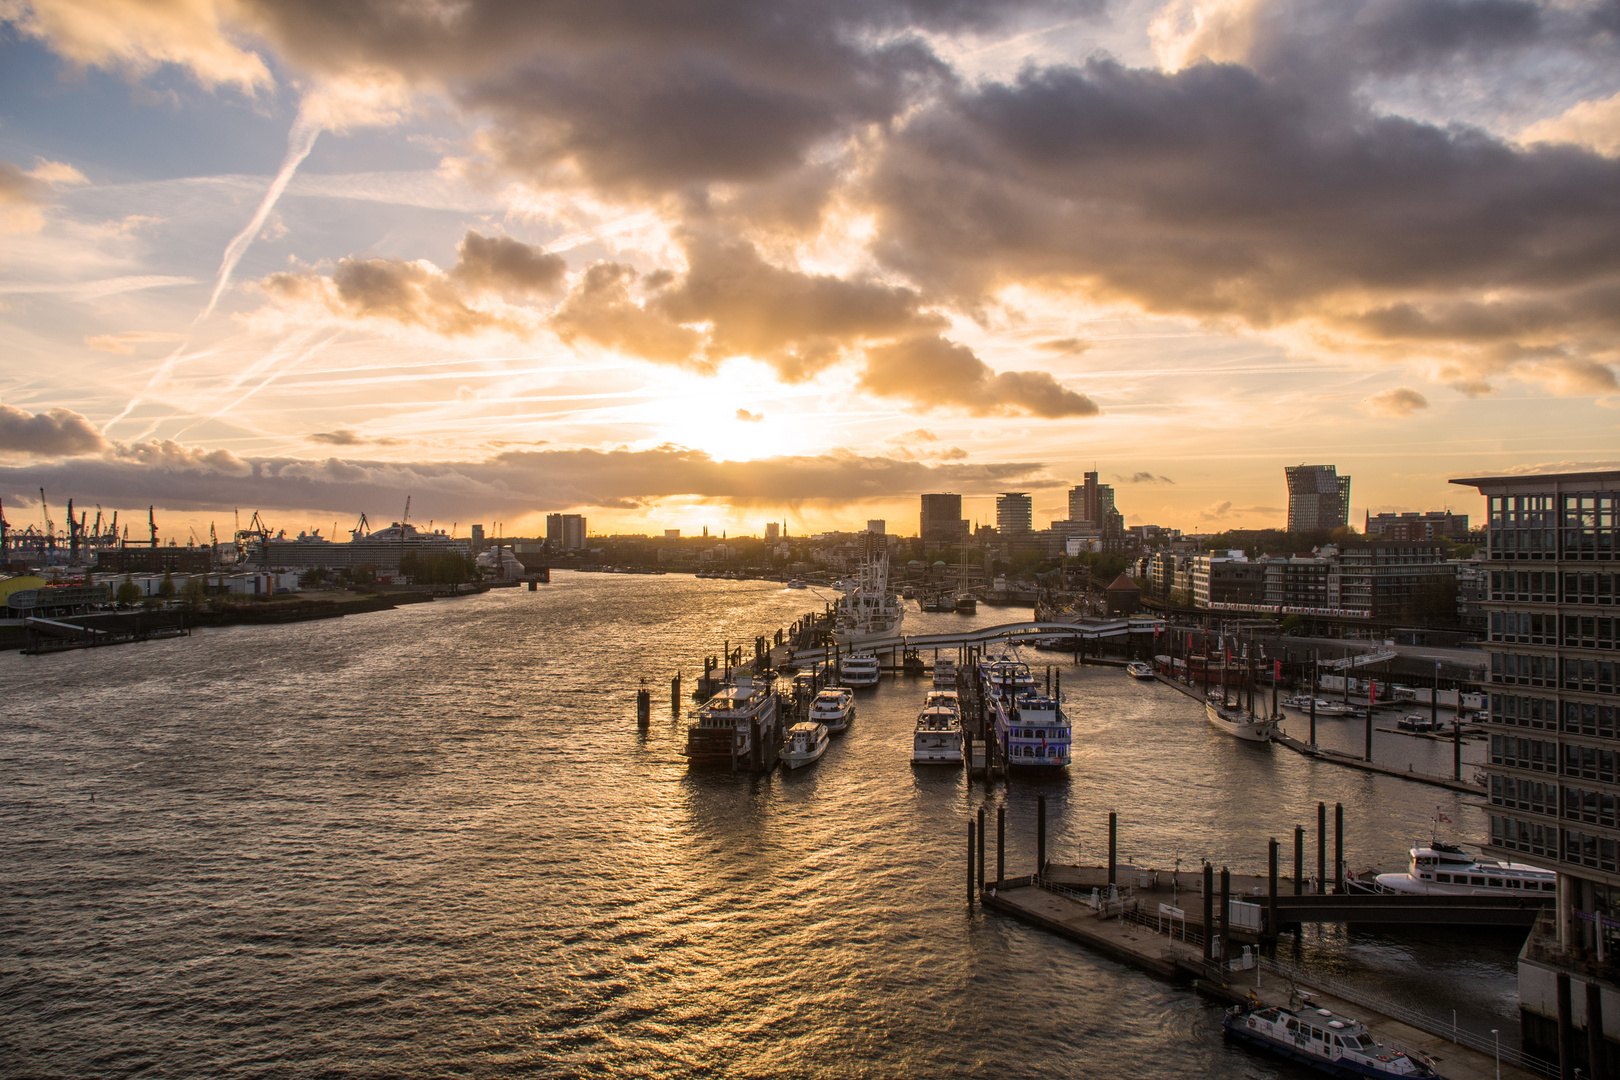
[
  {"x": 1588, "y": 761},
  {"x": 1543, "y": 628},
  {"x": 1526, "y": 753},
  {"x": 1536, "y": 796},
  {"x": 1564, "y": 845},
  {"x": 1594, "y": 807},
  {"x": 1579, "y": 717},
  {"x": 1573, "y": 673}
]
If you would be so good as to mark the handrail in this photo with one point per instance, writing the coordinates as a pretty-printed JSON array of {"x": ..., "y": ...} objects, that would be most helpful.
[{"x": 1410, "y": 1017}]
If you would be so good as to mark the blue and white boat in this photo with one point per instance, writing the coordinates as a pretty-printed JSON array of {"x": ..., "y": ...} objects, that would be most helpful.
[
  {"x": 1318, "y": 1039},
  {"x": 1034, "y": 732}
]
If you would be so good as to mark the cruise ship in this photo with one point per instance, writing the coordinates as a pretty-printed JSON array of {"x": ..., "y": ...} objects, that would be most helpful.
[{"x": 382, "y": 549}]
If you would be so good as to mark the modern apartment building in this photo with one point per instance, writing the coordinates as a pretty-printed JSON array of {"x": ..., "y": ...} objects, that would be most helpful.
[
  {"x": 1416, "y": 526},
  {"x": 1015, "y": 514},
  {"x": 1318, "y": 498},
  {"x": 1553, "y": 559}
]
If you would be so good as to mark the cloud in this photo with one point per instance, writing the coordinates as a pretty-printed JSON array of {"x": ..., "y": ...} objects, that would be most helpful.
[
  {"x": 55, "y": 433},
  {"x": 515, "y": 482},
  {"x": 1398, "y": 401},
  {"x": 602, "y": 310},
  {"x": 1069, "y": 346},
  {"x": 1593, "y": 124},
  {"x": 417, "y": 293},
  {"x": 126, "y": 342},
  {"x": 23, "y": 194},
  {"x": 1216, "y": 510},
  {"x": 933, "y": 372},
  {"x": 137, "y": 37},
  {"x": 749, "y": 417},
  {"x": 1144, "y": 478}
]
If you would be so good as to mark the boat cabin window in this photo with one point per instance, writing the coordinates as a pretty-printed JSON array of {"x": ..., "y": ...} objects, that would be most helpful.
[
  {"x": 1549, "y": 886},
  {"x": 1443, "y": 877},
  {"x": 1513, "y": 883},
  {"x": 1426, "y": 876},
  {"x": 1476, "y": 881},
  {"x": 1293, "y": 1025},
  {"x": 1495, "y": 883}
]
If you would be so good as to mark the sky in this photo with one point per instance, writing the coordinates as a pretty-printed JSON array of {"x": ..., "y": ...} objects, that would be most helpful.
[{"x": 716, "y": 264}]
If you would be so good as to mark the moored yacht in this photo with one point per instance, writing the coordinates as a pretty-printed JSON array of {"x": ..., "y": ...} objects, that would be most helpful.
[
  {"x": 1138, "y": 669},
  {"x": 1441, "y": 869},
  {"x": 723, "y": 727},
  {"x": 938, "y": 737},
  {"x": 1318, "y": 1039},
  {"x": 1324, "y": 707},
  {"x": 859, "y": 670},
  {"x": 945, "y": 674},
  {"x": 1234, "y": 721},
  {"x": 806, "y": 742},
  {"x": 834, "y": 707}
]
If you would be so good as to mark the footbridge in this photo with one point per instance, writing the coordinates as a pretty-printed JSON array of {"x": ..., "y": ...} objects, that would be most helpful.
[
  {"x": 1387, "y": 908},
  {"x": 1014, "y": 633}
]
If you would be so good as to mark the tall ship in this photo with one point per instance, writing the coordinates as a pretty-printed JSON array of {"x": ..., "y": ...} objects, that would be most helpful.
[
  {"x": 868, "y": 609},
  {"x": 723, "y": 728},
  {"x": 1243, "y": 725}
]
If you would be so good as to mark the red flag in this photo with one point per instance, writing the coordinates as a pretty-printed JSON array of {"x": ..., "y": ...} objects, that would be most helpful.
[
  {"x": 1372, "y": 692},
  {"x": 1277, "y": 670}
]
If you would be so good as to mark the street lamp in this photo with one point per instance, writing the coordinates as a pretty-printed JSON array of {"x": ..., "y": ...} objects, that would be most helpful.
[{"x": 1497, "y": 1036}]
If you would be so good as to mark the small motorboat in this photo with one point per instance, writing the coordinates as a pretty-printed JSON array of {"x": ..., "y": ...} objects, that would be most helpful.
[
  {"x": 1138, "y": 669},
  {"x": 806, "y": 742}
]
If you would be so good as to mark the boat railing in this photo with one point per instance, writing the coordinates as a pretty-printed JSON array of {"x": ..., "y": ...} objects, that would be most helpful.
[
  {"x": 1484, "y": 1044},
  {"x": 1111, "y": 902}
]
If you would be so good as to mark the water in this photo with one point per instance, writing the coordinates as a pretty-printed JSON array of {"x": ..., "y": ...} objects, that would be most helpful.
[{"x": 433, "y": 842}]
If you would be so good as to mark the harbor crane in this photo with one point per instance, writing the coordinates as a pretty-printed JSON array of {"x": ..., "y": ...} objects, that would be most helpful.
[
  {"x": 361, "y": 529},
  {"x": 50, "y": 526}
]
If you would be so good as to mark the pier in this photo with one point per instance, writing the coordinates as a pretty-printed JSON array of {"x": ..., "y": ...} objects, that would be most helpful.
[{"x": 1179, "y": 927}]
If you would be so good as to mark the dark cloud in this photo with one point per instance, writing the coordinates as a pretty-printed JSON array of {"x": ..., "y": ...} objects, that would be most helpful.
[
  {"x": 53, "y": 433},
  {"x": 510, "y": 483},
  {"x": 348, "y": 437},
  {"x": 1143, "y": 478},
  {"x": 934, "y": 372},
  {"x": 501, "y": 264},
  {"x": 1217, "y": 193},
  {"x": 1399, "y": 401},
  {"x": 1066, "y": 346}
]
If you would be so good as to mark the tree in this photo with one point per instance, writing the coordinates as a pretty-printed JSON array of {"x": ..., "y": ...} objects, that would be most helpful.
[
  {"x": 128, "y": 592},
  {"x": 166, "y": 586},
  {"x": 1291, "y": 623},
  {"x": 195, "y": 592}
]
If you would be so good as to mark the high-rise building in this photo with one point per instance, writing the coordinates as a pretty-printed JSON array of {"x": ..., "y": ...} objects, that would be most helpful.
[
  {"x": 1094, "y": 502},
  {"x": 773, "y": 531},
  {"x": 478, "y": 537},
  {"x": 942, "y": 523},
  {"x": 1318, "y": 498},
  {"x": 565, "y": 532},
  {"x": 1415, "y": 526},
  {"x": 1015, "y": 514},
  {"x": 877, "y": 526},
  {"x": 1553, "y": 559}
]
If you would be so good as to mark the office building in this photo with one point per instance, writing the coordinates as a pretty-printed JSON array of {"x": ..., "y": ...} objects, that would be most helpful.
[
  {"x": 565, "y": 532},
  {"x": 877, "y": 526},
  {"x": 1094, "y": 502},
  {"x": 773, "y": 531},
  {"x": 1015, "y": 514},
  {"x": 1553, "y": 560},
  {"x": 942, "y": 522},
  {"x": 1318, "y": 498}
]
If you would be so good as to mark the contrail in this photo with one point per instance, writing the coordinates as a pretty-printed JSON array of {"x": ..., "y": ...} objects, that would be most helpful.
[{"x": 300, "y": 141}]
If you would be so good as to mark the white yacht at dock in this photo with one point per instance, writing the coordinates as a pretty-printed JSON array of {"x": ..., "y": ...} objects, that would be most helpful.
[
  {"x": 859, "y": 670},
  {"x": 834, "y": 706},
  {"x": 1441, "y": 869},
  {"x": 938, "y": 737},
  {"x": 806, "y": 742}
]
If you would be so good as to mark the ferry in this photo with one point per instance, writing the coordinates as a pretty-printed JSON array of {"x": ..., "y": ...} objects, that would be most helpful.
[
  {"x": 723, "y": 726},
  {"x": 834, "y": 707},
  {"x": 938, "y": 737},
  {"x": 1138, "y": 669},
  {"x": 859, "y": 670},
  {"x": 967, "y": 604},
  {"x": 806, "y": 742},
  {"x": 945, "y": 674},
  {"x": 1316, "y": 1038},
  {"x": 1441, "y": 869},
  {"x": 1238, "y": 723},
  {"x": 1007, "y": 678},
  {"x": 1034, "y": 732}
]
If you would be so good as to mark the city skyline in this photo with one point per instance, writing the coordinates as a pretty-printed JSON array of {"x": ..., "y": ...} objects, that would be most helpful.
[{"x": 805, "y": 265}]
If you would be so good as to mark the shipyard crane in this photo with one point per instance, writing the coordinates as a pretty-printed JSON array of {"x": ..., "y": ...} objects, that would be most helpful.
[
  {"x": 403, "y": 518},
  {"x": 5, "y": 550},
  {"x": 72, "y": 534},
  {"x": 151, "y": 523},
  {"x": 113, "y": 528},
  {"x": 213, "y": 546},
  {"x": 361, "y": 529},
  {"x": 50, "y": 526}
]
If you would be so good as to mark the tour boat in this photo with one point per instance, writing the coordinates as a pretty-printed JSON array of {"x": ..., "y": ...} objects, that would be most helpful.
[
  {"x": 945, "y": 674},
  {"x": 938, "y": 738},
  {"x": 868, "y": 609},
  {"x": 1034, "y": 732},
  {"x": 806, "y": 742},
  {"x": 724, "y": 726},
  {"x": 1316, "y": 1038},
  {"x": 1007, "y": 678},
  {"x": 859, "y": 670},
  {"x": 1236, "y": 722},
  {"x": 1441, "y": 869},
  {"x": 834, "y": 707},
  {"x": 1138, "y": 669}
]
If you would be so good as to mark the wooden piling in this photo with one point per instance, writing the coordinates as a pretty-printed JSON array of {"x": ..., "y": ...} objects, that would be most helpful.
[
  {"x": 1113, "y": 847},
  {"x": 675, "y": 695},
  {"x": 1040, "y": 834},
  {"x": 970, "y": 865},
  {"x": 1299, "y": 860},
  {"x": 1271, "y": 894},
  {"x": 1338, "y": 847},
  {"x": 1321, "y": 848},
  {"x": 643, "y": 707},
  {"x": 1001, "y": 844},
  {"x": 981, "y": 849},
  {"x": 1226, "y": 915}
]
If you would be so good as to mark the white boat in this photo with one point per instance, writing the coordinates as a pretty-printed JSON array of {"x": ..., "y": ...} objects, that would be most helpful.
[
  {"x": 833, "y": 707},
  {"x": 869, "y": 609},
  {"x": 1236, "y": 722},
  {"x": 946, "y": 698},
  {"x": 723, "y": 726},
  {"x": 1006, "y": 678},
  {"x": 1324, "y": 708},
  {"x": 1442, "y": 869},
  {"x": 945, "y": 674},
  {"x": 1034, "y": 732},
  {"x": 938, "y": 738},
  {"x": 1138, "y": 669},
  {"x": 795, "y": 584},
  {"x": 806, "y": 742},
  {"x": 859, "y": 670},
  {"x": 1319, "y": 1040}
]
